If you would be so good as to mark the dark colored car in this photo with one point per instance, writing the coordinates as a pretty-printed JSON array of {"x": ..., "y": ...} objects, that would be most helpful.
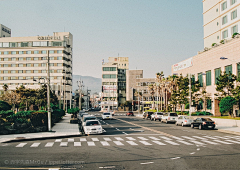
[
  {"x": 129, "y": 114},
  {"x": 203, "y": 123},
  {"x": 147, "y": 115}
]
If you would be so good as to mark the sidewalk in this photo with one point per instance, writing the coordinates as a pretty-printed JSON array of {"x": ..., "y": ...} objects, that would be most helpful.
[{"x": 61, "y": 129}]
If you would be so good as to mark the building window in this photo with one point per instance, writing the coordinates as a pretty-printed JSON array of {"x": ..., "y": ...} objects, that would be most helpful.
[
  {"x": 51, "y": 52},
  {"x": 225, "y": 34},
  {"x": 13, "y": 65},
  {"x": 51, "y": 64},
  {"x": 44, "y": 58},
  {"x": 28, "y": 58},
  {"x": 233, "y": 1},
  {"x": 13, "y": 78},
  {"x": 35, "y": 58},
  {"x": 5, "y": 59},
  {"x": 13, "y": 71},
  {"x": 218, "y": 37},
  {"x": 20, "y": 78},
  {"x": 13, "y": 59},
  {"x": 5, "y": 72},
  {"x": 59, "y": 64},
  {"x": 5, "y": 65},
  {"x": 5, "y": 78},
  {"x": 56, "y": 43},
  {"x": 20, "y": 71},
  {"x": 228, "y": 69},
  {"x": 20, "y": 52},
  {"x": 36, "y": 52},
  {"x": 224, "y": 20},
  {"x": 35, "y": 65},
  {"x": 234, "y": 29},
  {"x": 13, "y": 52},
  {"x": 200, "y": 79},
  {"x": 35, "y": 71},
  {"x": 5, "y": 44},
  {"x": 43, "y": 64},
  {"x": 59, "y": 58},
  {"x": 28, "y": 65},
  {"x": 109, "y": 68},
  {"x": 24, "y": 44},
  {"x": 20, "y": 65},
  {"x": 217, "y": 74},
  {"x": 109, "y": 76},
  {"x": 238, "y": 70},
  {"x": 44, "y": 71},
  {"x": 224, "y": 5},
  {"x": 20, "y": 58},
  {"x": 208, "y": 78},
  {"x": 59, "y": 71},
  {"x": 28, "y": 71},
  {"x": 234, "y": 15},
  {"x": 51, "y": 58},
  {"x": 12, "y": 44},
  {"x": 5, "y": 52},
  {"x": 28, "y": 78},
  {"x": 217, "y": 10},
  {"x": 44, "y": 52}
]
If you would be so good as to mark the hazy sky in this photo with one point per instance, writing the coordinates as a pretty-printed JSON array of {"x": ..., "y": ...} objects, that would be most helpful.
[{"x": 154, "y": 34}]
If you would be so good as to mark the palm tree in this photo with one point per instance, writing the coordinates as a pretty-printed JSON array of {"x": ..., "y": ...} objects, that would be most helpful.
[{"x": 5, "y": 87}]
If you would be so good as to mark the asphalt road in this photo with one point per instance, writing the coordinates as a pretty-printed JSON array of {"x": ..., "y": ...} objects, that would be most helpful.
[{"x": 128, "y": 143}]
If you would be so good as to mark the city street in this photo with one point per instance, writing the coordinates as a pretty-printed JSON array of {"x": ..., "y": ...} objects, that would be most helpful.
[{"x": 128, "y": 143}]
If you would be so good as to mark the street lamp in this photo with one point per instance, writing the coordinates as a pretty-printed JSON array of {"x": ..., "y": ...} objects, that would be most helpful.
[
  {"x": 132, "y": 97},
  {"x": 80, "y": 85}
]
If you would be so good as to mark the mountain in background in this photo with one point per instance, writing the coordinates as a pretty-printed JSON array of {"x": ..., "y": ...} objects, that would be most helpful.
[{"x": 92, "y": 83}]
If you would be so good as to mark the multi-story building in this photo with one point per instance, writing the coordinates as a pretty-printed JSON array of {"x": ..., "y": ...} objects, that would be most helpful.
[
  {"x": 4, "y": 31},
  {"x": 114, "y": 82},
  {"x": 220, "y": 20},
  {"x": 25, "y": 59}
]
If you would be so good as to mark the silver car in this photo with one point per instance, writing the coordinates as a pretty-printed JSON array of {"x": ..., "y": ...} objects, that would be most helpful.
[
  {"x": 184, "y": 120},
  {"x": 156, "y": 116}
]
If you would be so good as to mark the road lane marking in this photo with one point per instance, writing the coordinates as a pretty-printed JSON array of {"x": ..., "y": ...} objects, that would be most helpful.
[
  {"x": 176, "y": 158},
  {"x": 118, "y": 138},
  {"x": 145, "y": 143},
  {"x": 91, "y": 144},
  {"x": 130, "y": 138},
  {"x": 184, "y": 142},
  {"x": 131, "y": 143},
  {"x": 95, "y": 139},
  {"x": 192, "y": 153},
  {"x": 107, "y": 139},
  {"x": 58, "y": 140},
  {"x": 166, "y": 138},
  {"x": 118, "y": 143},
  {"x": 146, "y": 163},
  {"x": 70, "y": 140},
  {"x": 210, "y": 142},
  {"x": 83, "y": 139},
  {"x": 159, "y": 143},
  {"x": 223, "y": 142},
  {"x": 154, "y": 138},
  {"x": 142, "y": 138},
  {"x": 64, "y": 144},
  {"x": 196, "y": 142},
  {"x": 21, "y": 145},
  {"x": 34, "y": 145},
  {"x": 188, "y": 138},
  {"x": 177, "y": 138},
  {"x": 104, "y": 143},
  {"x": 199, "y": 137},
  {"x": 49, "y": 144},
  {"x": 77, "y": 143},
  {"x": 233, "y": 141},
  {"x": 172, "y": 143}
]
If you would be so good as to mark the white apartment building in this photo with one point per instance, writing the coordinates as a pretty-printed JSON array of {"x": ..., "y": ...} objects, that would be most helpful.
[
  {"x": 114, "y": 82},
  {"x": 221, "y": 19},
  {"x": 4, "y": 31},
  {"x": 24, "y": 59}
]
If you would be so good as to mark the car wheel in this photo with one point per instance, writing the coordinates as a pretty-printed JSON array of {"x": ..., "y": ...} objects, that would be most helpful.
[
  {"x": 166, "y": 122},
  {"x": 182, "y": 125},
  {"x": 192, "y": 126},
  {"x": 176, "y": 124},
  {"x": 151, "y": 119},
  {"x": 154, "y": 119},
  {"x": 200, "y": 127},
  {"x": 159, "y": 120}
]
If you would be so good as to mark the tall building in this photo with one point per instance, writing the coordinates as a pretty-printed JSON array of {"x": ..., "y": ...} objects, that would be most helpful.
[
  {"x": 114, "y": 82},
  {"x": 24, "y": 59},
  {"x": 220, "y": 20},
  {"x": 4, "y": 31}
]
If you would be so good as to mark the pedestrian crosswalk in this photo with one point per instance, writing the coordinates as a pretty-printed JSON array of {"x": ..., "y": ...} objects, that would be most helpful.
[{"x": 135, "y": 141}]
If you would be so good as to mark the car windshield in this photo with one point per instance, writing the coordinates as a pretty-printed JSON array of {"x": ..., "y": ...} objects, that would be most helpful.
[
  {"x": 173, "y": 114},
  {"x": 92, "y": 123},
  {"x": 159, "y": 113},
  {"x": 83, "y": 114},
  {"x": 89, "y": 118},
  {"x": 206, "y": 119},
  {"x": 106, "y": 113}
]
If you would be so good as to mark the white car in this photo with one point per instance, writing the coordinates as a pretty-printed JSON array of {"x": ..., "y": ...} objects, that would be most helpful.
[
  {"x": 92, "y": 127},
  {"x": 106, "y": 115},
  {"x": 156, "y": 116}
]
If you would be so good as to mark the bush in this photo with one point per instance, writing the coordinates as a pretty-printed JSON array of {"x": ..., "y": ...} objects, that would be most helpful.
[
  {"x": 151, "y": 110},
  {"x": 226, "y": 104},
  {"x": 235, "y": 34},
  {"x": 182, "y": 113},
  {"x": 201, "y": 113},
  {"x": 4, "y": 106},
  {"x": 187, "y": 106},
  {"x": 39, "y": 118},
  {"x": 5, "y": 114},
  {"x": 213, "y": 44}
]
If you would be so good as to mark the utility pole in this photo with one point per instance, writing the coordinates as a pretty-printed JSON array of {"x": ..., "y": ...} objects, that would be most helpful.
[
  {"x": 80, "y": 85},
  {"x": 64, "y": 90},
  {"x": 60, "y": 96},
  {"x": 48, "y": 94},
  {"x": 190, "y": 95}
]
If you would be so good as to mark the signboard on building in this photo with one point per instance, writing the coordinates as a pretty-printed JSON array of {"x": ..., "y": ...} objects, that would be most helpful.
[
  {"x": 182, "y": 65},
  {"x": 109, "y": 87}
]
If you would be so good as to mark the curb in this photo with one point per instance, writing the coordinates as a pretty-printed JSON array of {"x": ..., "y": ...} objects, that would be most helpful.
[
  {"x": 40, "y": 138},
  {"x": 229, "y": 132}
]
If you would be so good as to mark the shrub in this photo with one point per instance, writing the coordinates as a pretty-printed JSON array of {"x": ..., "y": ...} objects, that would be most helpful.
[
  {"x": 234, "y": 34},
  {"x": 226, "y": 104},
  {"x": 4, "y": 106},
  {"x": 222, "y": 41},
  {"x": 213, "y": 44},
  {"x": 39, "y": 118},
  {"x": 5, "y": 114}
]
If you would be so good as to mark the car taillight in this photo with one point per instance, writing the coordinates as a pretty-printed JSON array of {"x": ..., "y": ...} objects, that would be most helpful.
[
  {"x": 185, "y": 120},
  {"x": 214, "y": 123},
  {"x": 147, "y": 114},
  {"x": 168, "y": 118},
  {"x": 204, "y": 123}
]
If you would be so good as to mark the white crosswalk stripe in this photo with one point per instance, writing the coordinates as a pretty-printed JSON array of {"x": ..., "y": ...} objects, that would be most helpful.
[
  {"x": 142, "y": 138},
  {"x": 83, "y": 139},
  {"x": 199, "y": 137},
  {"x": 63, "y": 143},
  {"x": 118, "y": 143},
  {"x": 159, "y": 143},
  {"x": 189, "y": 138},
  {"x": 130, "y": 138},
  {"x": 220, "y": 141},
  {"x": 233, "y": 141},
  {"x": 184, "y": 142},
  {"x": 210, "y": 142},
  {"x": 165, "y": 138},
  {"x": 210, "y": 137},
  {"x": 118, "y": 138},
  {"x": 145, "y": 143},
  {"x": 34, "y": 145},
  {"x": 70, "y": 140},
  {"x": 77, "y": 143},
  {"x": 198, "y": 143},
  {"x": 49, "y": 144},
  {"x": 107, "y": 139},
  {"x": 104, "y": 143},
  {"x": 172, "y": 143},
  {"x": 131, "y": 143},
  {"x": 154, "y": 138},
  {"x": 177, "y": 138},
  {"x": 21, "y": 145},
  {"x": 58, "y": 140},
  {"x": 95, "y": 139},
  {"x": 91, "y": 144}
]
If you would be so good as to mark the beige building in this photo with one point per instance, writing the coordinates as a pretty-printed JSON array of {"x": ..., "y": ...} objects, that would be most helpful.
[
  {"x": 4, "y": 31},
  {"x": 24, "y": 59},
  {"x": 221, "y": 19},
  {"x": 114, "y": 82},
  {"x": 209, "y": 62}
]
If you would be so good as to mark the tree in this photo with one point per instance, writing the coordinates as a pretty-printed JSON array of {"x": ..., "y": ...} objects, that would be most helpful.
[
  {"x": 226, "y": 105},
  {"x": 4, "y": 106}
]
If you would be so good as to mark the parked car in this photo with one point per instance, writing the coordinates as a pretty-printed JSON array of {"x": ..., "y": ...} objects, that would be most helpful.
[
  {"x": 203, "y": 123},
  {"x": 92, "y": 127},
  {"x": 84, "y": 119},
  {"x": 184, "y": 120},
  {"x": 157, "y": 116},
  {"x": 80, "y": 115},
  {"x": 129, "y": 114},
  {"x": 106, "y": 115},
  {"x": 169, "y": 117},
  {"x": 147, "y": 115},
  {"x": 112, "y": 112}
]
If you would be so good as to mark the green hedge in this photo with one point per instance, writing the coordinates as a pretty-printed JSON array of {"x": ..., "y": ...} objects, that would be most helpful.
[{"x": 201, "y": 114}]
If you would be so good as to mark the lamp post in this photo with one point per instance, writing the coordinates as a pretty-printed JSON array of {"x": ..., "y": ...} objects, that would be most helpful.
[
  {"x": 80, "y": 85},
  {"x": 190, "y": 95}
]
